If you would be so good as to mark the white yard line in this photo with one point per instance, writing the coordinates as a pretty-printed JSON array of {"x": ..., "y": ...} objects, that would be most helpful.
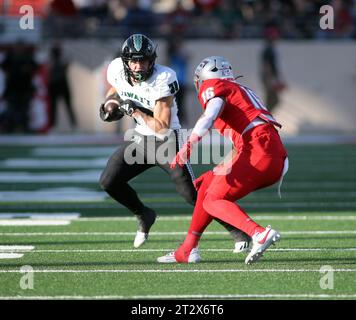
[
  {"x": 34, "y": 222},
  {"x": 82, "y": 194},
  {"x": 94, "y": 175},
  {"x": 35, "y": 215},
  {"x": 173, "y": 233},
  {"x": 14, "y": 251},
  {"x": 253, "y": 216},
  {"x": 10, "y": 255},
  {"x": 15, "y": 248},
  {"x": 29, "y": 163},
  {"x": 174, "y": 270},
  {"x": 186, "y": 296},
  {"x": 171, "y": 249},
  {"x": 94, "y": 163},
  {"x": 172, "y": 204},
  {"x": 52, "y": 195},
  {"x": 74, "y": 151},
  {"x": 76, "y": 216}
]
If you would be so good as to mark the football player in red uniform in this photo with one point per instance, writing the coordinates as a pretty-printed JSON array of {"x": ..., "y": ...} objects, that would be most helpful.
[{"x": 258, "y": 159}]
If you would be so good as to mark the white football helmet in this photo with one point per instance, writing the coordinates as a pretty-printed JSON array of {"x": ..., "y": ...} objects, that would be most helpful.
[{"x": 211, "y": 68}]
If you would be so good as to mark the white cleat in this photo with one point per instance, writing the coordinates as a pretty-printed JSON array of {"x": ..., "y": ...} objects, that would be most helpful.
[
  {"x": 140, "y": 239},
  {"x": 242, "y": 246},
  {"x": 260, "y": 243},
  {"x": 194, "y": 257},
  {"x": 145, "y": 221}
]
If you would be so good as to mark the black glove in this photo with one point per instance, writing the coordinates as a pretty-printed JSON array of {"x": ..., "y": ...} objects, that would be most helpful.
[
  {"x": 129, "y": 107},
  {"x": 115, "y": 115}
]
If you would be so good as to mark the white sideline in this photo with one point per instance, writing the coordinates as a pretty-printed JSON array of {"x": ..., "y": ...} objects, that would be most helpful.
[{"x": 186, "y": 296}]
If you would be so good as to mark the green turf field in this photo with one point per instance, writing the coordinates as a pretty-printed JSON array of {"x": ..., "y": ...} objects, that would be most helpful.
[{"x": 78, "y": 244}]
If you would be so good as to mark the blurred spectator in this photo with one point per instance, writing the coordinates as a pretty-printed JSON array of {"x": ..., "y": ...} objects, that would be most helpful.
[
  {"x": 61, "y": 18},
  {"x": 63, "y": 8},
  {"x": 139, "y": 19},
  {"x": 178, "y": 20},
  {"x": 93, "y": 8},
  {"x": 205, "y": 6},
  {"x": 270, "y": 73},
  {"x": 297, "y": 19},
  {"x": 178, "y": 61},
  {"x": 58, "y": 86},
  {"x": 227, "y": 15},
  {"x": 19, "y": 67},
  {"x": 344, "y": 25}
]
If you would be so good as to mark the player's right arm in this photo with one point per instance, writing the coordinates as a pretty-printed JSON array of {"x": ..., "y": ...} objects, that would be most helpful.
[
  {"x": 111, "y": 91},
  {"x": 214, "y": 108}
]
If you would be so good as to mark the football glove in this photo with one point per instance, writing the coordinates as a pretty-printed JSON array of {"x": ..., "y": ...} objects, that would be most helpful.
[
  {"x": 183, "y": 154},
  {"x": 110, "y": 109},
  {"x": 128, "y": 107}
]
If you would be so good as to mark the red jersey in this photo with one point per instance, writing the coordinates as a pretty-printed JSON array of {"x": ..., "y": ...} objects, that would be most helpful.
[{"x": 241, "y": 105}]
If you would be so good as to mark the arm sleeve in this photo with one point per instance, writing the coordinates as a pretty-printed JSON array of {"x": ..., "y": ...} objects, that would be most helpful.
[{"x": 205, "y": 122}]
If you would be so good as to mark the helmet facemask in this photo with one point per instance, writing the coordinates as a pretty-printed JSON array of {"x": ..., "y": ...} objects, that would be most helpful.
[
  {"x": 139, "y": 76},
  {"x": 138, "y": 47}
]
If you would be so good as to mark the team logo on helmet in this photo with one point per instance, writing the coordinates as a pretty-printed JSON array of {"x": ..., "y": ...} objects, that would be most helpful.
[{"x": 137, "y": 42}]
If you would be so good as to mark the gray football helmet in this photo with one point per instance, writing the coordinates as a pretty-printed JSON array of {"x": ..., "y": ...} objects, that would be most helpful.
[{"x": 211, "y": 68}]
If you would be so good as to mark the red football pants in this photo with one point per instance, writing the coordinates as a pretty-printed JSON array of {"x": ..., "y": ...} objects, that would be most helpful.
[{"x": 258, "y": 163}]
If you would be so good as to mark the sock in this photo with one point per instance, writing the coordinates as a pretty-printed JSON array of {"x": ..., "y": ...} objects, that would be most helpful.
[
  {"x": 200, "y": 220},
  {"x": 231, "y": 213}
]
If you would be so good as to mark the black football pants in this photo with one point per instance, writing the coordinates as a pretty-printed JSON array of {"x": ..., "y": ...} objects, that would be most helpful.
[{"x": 136, "y": 156}]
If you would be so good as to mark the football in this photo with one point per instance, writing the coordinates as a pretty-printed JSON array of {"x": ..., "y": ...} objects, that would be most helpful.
[
  {"x": 110, "y": 110},
  {"x": 110, "y": 106},
  {"x": 112, "y": 102}
]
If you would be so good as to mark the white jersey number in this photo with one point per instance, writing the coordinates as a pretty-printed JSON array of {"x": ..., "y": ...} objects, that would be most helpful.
[{"x": 208, "y": 94}]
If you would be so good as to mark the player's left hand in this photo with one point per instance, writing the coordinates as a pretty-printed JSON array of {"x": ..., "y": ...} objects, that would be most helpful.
[
  {"x": 182, "y": 156},
  {"x": 129, "y": 107}
]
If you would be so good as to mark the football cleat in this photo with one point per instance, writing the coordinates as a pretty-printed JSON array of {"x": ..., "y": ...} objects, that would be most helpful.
[
  {"x": 194, "y": 257},
  {"x": 242, "y": 240},
  {"x": 145, "y": 222},
  {"x": 242, "y": 246},
  {"x": 140, "y": 239},
  {"x": 260, "y": 243}
]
